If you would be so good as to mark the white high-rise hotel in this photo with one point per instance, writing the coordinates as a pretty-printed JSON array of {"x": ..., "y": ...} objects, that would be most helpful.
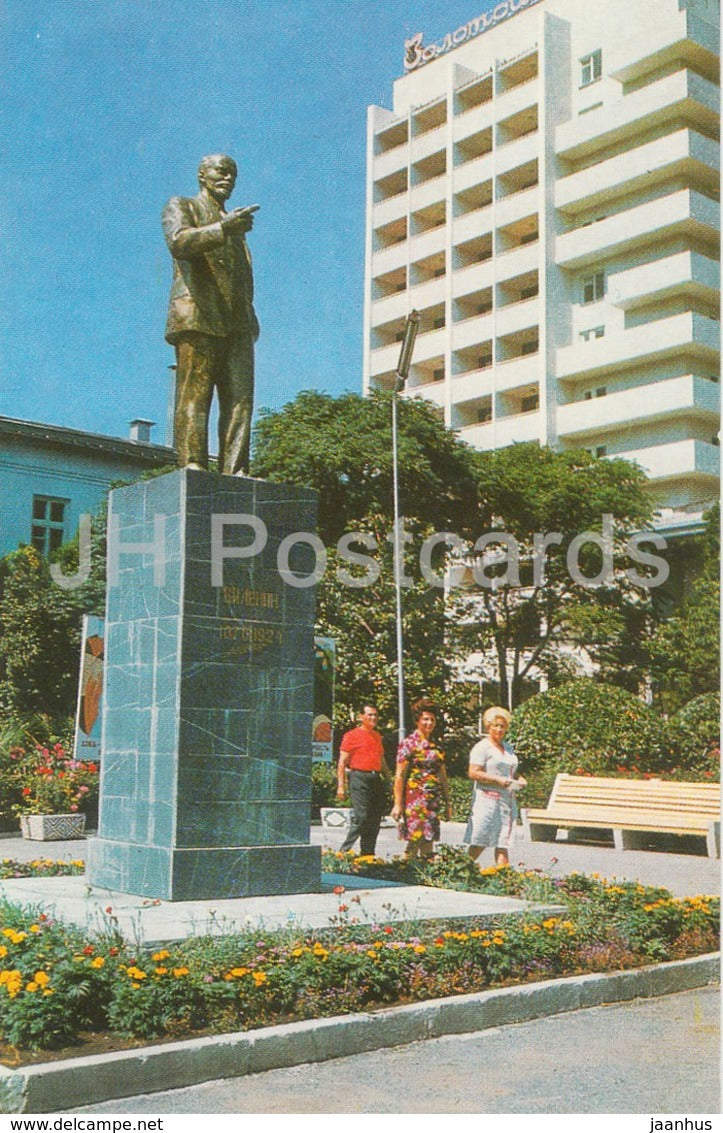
[{"x": 545, "y": 193}]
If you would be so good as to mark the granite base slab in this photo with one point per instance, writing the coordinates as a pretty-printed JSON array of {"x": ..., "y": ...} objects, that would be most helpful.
[
  {"x": 213, "y": 873},
  {"x": 151, "y": 922}
]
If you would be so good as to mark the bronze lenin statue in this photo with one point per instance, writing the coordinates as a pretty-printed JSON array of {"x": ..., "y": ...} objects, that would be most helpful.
[{"x": 211, "y": 319}]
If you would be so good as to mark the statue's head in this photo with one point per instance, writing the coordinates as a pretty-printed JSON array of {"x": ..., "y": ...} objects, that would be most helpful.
[{"x": 217, "y": 175}]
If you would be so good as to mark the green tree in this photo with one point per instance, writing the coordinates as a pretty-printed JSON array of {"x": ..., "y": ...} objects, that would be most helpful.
[
  {"x": 342, "y": 447},
  {"x": 685, "y": 648},
  {"x": 39, "y": 639},
  {"x": 521, "y": 617}
]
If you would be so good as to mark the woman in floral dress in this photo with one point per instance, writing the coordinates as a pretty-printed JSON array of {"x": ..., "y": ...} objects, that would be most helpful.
[{"x": 420, "y": 785}]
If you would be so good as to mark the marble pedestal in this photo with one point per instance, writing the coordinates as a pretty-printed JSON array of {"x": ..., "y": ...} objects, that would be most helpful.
[{"x": 206, "y": 749}]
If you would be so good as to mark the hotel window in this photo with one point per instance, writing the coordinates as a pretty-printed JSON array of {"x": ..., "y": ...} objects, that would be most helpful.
[
  {"x": 590, "y": 68},
  {"x": 529, "y": 403},
  {"x": 438, "y": 375},
  {"x": 593, "y": 287},
  {"x": 48, "y": 527},
  {"x": 593, "y": 332}
]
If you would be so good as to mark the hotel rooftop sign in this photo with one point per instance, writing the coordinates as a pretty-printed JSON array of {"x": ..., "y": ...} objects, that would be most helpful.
[{"x": 416, "y": 54}]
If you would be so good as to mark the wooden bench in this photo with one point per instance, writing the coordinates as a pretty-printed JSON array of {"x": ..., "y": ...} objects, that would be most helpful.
[{"x": 632, "y": 809}]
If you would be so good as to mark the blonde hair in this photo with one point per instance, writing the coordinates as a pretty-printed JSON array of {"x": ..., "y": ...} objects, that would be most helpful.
[{"x": 492, "y": 713}]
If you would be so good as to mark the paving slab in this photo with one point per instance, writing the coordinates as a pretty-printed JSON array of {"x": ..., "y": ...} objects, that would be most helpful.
[{"x": 143, "y": 921}]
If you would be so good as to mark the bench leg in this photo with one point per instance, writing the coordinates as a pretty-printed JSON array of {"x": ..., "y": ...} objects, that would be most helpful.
[
  {"x": 712, "y": 840},
  {"x": 540, "y": 832}
]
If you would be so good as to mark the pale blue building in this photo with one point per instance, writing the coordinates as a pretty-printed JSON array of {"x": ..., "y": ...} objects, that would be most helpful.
[{"x": 50, "y": 475}]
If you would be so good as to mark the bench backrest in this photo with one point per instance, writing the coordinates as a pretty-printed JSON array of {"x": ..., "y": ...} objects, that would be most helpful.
[{"x": 666, "y": 795}]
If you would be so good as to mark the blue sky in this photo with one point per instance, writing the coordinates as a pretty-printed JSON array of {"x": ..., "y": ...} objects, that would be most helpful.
[{"x": 106, "y": 107}]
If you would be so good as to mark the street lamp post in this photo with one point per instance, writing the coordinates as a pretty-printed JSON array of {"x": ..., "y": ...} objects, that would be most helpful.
[{"x": 405, "y": 359}]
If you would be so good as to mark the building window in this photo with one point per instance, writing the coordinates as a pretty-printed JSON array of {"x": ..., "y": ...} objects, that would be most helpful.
[
  {"x": 593, "y": 332},
  {"x": 48, "y": 527},
  {"x": 593, "y": 287},
  {"x": 530, "y": 347},
  {"x": 590, "y": 68},
  {"x": 439, "y": 323},
  {"x": 529, "y": 403},
  {"x": 484, "y": 414},
  {"x": 438, "y": 375}
]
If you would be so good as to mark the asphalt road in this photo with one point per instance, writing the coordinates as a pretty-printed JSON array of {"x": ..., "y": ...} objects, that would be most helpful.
[{"x": 654, "y": 1056}]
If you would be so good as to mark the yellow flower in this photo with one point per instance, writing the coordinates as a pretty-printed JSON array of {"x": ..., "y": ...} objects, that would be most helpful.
[
  {"x": 35, "y": 928},
  {"x": 3, "y": 951},
  {"x": 42, "y": 978},
  {"x": 161, "y": 971},
  {"x": 32, "y": 986},
  {"x": 136, "y": 973},
  {"x": 178, "y": 972},
  {"x": 419, "y": 948},
  {"x": 98, "y": 962},
  {"x": 236, "y": 973},
  {"x": 298, "y": 952},
  {"x": 162, "y": 955},
  {"x": 259, "y": 978},
  {"x": 372, "y": 955}
]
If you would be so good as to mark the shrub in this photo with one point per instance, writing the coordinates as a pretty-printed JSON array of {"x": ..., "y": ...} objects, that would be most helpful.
[
  {"x": 696, "y": 731},
  {"x": 323, "y": 787},
  {"x": 589, "y": 727}
]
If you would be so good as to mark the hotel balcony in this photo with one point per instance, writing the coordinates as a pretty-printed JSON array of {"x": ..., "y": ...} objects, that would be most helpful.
[
  {"x": 688, "y": 335},
  {"x": 393, "y": 208},
  {"x": 389, "y": 163},
  {"x": 474, "y": 172},
  {"x": 683, "y": 97},
  {"x": 513, "y": 317},
  {"x": 516, "y": 205},
  {"x": 518, "y": 261},
  {"x": 517, "y": 152},
  {"x": 693, "y": 459},
  {"x": 427, "y": 244},
  {"x": 429, "y": 390},
  {"x": 427, "y": 193},
  {"x": 521, "y": 97},
  {"x": 428, "y": 345},
  {"x": 503, "y": 431},
  {"x": 473, "y": 278},
  {"x": 645, "y": 404},
  {"x": 694, "y": 42},
  {"x": 472, "y": 224},
  {"x": 521, "y": 371},
  {"x": 685, "y": 154},
  {"x": 686, "y": 214},
  {"x": 472, "y": 332},
  {"x": 386, "y": 260},
  {"x": 472, "y": 385},
  {"x": 424, "y": 145},
  {"x": 686, "y": 275},
  {"x": 383, "y": 359},
  {"x": 392, "y": 307}
]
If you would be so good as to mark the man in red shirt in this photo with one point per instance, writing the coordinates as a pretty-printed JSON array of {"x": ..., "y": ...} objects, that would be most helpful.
[{"x": 362, "y": 757}]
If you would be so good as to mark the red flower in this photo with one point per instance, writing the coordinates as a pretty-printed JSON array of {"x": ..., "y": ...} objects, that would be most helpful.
[
  {"x": 388, "y": 929},
  {"x": 339, "y": 889},
  {"x": 27, "y": 791},
  {"x": 343, "y": 908},
  {"x": 93, "y": 767}
]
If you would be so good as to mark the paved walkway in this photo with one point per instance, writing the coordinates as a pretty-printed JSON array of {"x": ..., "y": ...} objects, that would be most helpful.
[
  {"x": 656, "y": 1056},
  {"x": 684, "y": 874}
]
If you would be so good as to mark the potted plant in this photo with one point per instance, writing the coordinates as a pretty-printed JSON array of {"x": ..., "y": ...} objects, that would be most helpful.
[{"x": 56, "y": 792}]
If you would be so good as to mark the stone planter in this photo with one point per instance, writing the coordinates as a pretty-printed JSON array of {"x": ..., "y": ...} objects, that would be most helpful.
[
  {"x": 52, "y": 827},
  {"x": 336, "y": 816}
]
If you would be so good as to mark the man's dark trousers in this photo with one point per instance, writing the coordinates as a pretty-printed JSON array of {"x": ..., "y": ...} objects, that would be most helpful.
[{"x": 367, "y": 802}]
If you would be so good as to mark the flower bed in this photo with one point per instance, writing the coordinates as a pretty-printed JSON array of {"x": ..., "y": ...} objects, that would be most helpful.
[{"x": 56, "y": 981}]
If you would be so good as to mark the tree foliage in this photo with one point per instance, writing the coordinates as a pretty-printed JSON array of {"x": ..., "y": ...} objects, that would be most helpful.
[
  {"x": 342, "y": 447},
  {"x": 686, "y": 648},
  {"x": 522, "y": 621}
]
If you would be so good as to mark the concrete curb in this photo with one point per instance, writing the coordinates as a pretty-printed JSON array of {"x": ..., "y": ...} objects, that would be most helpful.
[{"x": 54, "y": 1087}]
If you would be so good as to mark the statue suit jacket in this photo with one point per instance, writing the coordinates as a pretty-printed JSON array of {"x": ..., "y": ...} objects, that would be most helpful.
[{"x": 212, "y": 291}]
